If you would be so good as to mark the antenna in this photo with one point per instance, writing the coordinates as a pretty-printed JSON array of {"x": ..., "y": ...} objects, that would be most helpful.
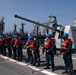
[{"x": 22, "y": 24}]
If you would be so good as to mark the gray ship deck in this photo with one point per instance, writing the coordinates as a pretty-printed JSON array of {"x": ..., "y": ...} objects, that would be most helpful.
[{"x": 9, "y": 66}]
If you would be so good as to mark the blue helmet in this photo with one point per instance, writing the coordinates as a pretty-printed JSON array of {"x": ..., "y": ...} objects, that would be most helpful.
[
  {"x": 31, "y": 37},
  {"x": 8, "y": 34},
  {"x": 48, "y": 35},
  {"x": 65, "y": 35},
  {"x": 28, "y": 37},
  {"x": 16, "y": 36},
  {"x": 13, "y": 35},
  {"x": 1, "y": 36}
]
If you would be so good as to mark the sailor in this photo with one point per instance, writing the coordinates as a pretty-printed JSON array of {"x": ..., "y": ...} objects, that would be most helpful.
[
  {"x": 13, "y": 46},
  {"x": 29, "y": 51},
  {"x": 36, "y": 53},
  {"x": 49, "y": 46},
  {"x": 2, "y": 45},
  {"x": 27, "y": 44},
  {"x": 44, "y": 48},
  {"x": 8, "y": 44},
  {"x": 66, "y": 50},
  {"x": 18, "y": 45},
  {"x": 52, "y": 38}
]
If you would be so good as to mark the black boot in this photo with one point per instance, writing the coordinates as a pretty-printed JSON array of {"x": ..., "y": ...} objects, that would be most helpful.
[
  {"x": 46, "y": 67},
  {"x": 66, "y": 71},
  {"x": 53, "y": 69},
  {"x": 20, "y": 59},
  {"x": 70, "y": 73},
  {"x": 28, "y": 60},
  {"x": 33, "y": 64},
  {"x": 37, "y": 65}
]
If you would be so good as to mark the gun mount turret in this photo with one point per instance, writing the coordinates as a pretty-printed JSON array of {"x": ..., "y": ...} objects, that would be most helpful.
[{"x": 37, "y": 23}]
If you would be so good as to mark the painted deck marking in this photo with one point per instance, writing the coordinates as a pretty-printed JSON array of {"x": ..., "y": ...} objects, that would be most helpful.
[
  {"x": 34, "y": 68},
  {"x": 48, "y": 73}
]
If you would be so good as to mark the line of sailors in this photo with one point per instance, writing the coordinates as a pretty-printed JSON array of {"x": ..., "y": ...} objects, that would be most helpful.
[
  {"x": 11, "y": 43},
  {"x": 33, "y": 52}
]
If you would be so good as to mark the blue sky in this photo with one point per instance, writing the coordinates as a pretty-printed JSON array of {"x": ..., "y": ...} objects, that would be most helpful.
[{"x": 37, "y": 10}]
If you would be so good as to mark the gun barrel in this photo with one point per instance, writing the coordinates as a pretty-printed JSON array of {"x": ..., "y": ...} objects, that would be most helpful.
[{"x": 37, "y": 23}]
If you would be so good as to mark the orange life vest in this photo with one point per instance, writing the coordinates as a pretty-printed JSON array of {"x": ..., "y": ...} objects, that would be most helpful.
[
  {"x": 33, "y": 45},
  {"x": 4, "y": 41},
  {"x": 65, "y": 45},
  {"x": 47, "y": 43},
  {"x": 37, "y": 43},
  {"x": 9, "y": 39},
  {"x": 13, "y": 41},
  {"x": 16, "y": 42},
  {"x": 1, "y": 40},
  {"x": 27, "y": 43}
]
